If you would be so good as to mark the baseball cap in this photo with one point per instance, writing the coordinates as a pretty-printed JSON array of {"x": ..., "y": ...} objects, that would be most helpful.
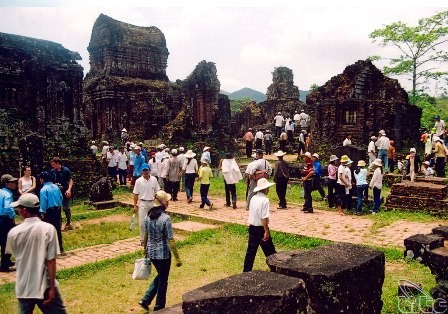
[
  {"x": 27, "y": 200},
  {"x": 8, "y": 178},
  {"x": 145, "y": 166}
]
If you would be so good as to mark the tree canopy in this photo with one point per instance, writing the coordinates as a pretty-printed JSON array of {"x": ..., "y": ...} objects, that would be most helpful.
[{"x": 420, "y": 49}]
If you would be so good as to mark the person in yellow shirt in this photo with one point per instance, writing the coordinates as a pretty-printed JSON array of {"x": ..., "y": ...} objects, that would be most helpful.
[
  {"x": 440, "y": 154},
  {"x": 205, "y": 173}
]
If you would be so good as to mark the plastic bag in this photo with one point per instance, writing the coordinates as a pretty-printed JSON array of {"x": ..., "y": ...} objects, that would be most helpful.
[
  {"x": 132, "y": 225},
  {"x": 142, "y": 269}
]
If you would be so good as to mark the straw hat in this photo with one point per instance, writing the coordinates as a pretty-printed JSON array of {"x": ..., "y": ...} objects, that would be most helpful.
[
  {"x": 316, "y": 155},
  {"x": 377, "y": 162},
  {"x": 333, "y": 158},
  {"x": 161, "y": 196},
  {"x": 344, "y": 158},
  {"x": 262, "y": 184},
  {"x": 206, "y": 148},
  {"x": 361, "y": 163},
  {"x": 382, "y": 132},
  {"x": 349, "y": 162},
  {"x": 373, "y": 137},
  {"x": 190, "y": 154},
  {"x": 425, "y": 163},
  {"x": 280, "y": 153}
]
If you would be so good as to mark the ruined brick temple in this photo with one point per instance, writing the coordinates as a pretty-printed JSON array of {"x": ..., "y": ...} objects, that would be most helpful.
[{"x": 361, "y": 101}]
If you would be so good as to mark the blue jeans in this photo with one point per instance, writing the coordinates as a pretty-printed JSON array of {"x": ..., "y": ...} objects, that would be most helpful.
[
  {"x": 382, "y": 154},
  {"x": 376, "y": 199},
  {"x": 360, "y": 189},
  {"x": 204, "y": 195},
  {"x": 159, "y": 285}
]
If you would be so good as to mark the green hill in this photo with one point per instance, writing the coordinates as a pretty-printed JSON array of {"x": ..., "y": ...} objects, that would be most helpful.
[{"x": 249, "y": 93}]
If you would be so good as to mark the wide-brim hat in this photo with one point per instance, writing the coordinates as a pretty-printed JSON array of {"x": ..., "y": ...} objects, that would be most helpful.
[
  {"x": 206, "y": 148},
  {"x": 8, "y": 178},
  {"x": 349, "y": 162},
  {"x": 426, "y": 163},
  {"x": 27, "y": 200},
  {"x": 161, "y": 196},
  {"x": 280, "y": 153},
  {"x": 262, "y": 184},
  {"x": 316, "y": 155},
  {"x": 141, "y": 143},
  {"x": 105, "y": 142},
  {"x": 377, "y": 162},
  {"x": 361, "y": 163},
  {"x": 190, "y": 154},
  {"x": 307, "y": 154},
  {"x": 124, "y": 130},
  {"x": 344, "y": 158},
  {"x": 373, "y": 137},
  {"x": 382, "y": 132},
  {"x": 333, "y": 158}
]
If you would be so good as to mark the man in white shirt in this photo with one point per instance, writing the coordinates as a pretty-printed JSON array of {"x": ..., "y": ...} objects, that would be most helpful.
[
  {"x": 289, "y": 128},
  {"x": 383, "y": 145},
  {"x": 258, "y": 225},
  {"x": 144, "y": 190},
  {"x": 304, "y": 119},
  {"x": 34, "y": 244},
  {"x": 122, "y": 163},
  {"x": 182, "y": 160},
  {"x": 371, "y": 149},
  {"x": 278, "y": 121},
  {"x": 94, "y": 148},
  {"x": 296, "y": 118},
  {"x": 259, "y": 139},
  {"x": 347, "y": 141},
  {"x": 111, "y": 157},
  {"x": 440, "y": 126},
  {"x": 260, "y": 164}
]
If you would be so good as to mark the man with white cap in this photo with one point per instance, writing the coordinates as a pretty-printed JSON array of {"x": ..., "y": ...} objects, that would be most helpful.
[
  {"x": 138, "y": 162},
  {"x": 371, "y": 149},
  {"x": 281, "y": 178},
  {"x": 144, "y": 190},
  {"x": 34, "y": 244},
  {"x": 296, "y": 118},
  {"x": 278, "y": 122},
  {"x": 259, "y": 234},
  {"x": 124, "y": 136},
  {"x": 174, "y": 169},
  {"x": 304, "y": 119},
  {"x": 259, "y": 139},
  {"x": 383, "y": 145},
  {"x": 7, "y": 215}
]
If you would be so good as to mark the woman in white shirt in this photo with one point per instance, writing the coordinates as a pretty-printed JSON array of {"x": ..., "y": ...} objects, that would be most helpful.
[
  {"x": 27, "y": 183},
  {"x": 190, "y": 169},
  {"x": 154, "y": 165},
  {"x": 376, "y": 184}
]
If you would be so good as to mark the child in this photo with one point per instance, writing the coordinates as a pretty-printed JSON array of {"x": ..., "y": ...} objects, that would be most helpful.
[
  {"x": 205, "y": 173},
  {"x": 361, "y": 184},
  {"x": 376, "y": 184},
  {"x": 427, "y": 170}
]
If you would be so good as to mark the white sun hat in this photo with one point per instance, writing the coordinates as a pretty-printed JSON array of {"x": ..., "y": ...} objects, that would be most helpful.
[
  {"x": 262, "y": 184},
  {"x": 280, "y": 153}
]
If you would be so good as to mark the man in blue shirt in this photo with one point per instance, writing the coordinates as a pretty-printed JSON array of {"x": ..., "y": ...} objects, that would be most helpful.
[
  {"x": 7, "y": 215},
  {"x": 317, "y": 174},
  {"x": 144, "y": 151},
  {"x": 138, "y": 162},
  {"x": 62, "y": 177},
  {"x": 50, "y": 205}
]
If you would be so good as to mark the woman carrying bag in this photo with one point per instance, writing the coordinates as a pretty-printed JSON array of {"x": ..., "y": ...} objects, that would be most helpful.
[{"x": 159, "y": 244}]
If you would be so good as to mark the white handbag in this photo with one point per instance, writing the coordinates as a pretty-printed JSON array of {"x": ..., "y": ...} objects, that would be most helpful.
[{"x": 142, "y": 269}]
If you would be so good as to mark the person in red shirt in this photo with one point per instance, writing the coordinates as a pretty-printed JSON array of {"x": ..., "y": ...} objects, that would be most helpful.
[{"x": 307, "y": 179}]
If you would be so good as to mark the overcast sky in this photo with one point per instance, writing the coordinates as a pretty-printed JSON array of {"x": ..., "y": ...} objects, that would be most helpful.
[{"x": 246, "y": 43}]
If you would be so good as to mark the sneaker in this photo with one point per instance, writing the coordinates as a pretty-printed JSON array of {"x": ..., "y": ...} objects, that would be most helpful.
[
  {"x": 190, "y": 200},
  {"x": 211, "y": 206},
  {"x": 144, "y": 304},
  {"x": 6, "y": 270}
]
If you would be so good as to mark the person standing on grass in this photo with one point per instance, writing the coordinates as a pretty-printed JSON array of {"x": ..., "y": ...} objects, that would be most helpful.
[
  {"x": 383, "y": 145},
  {"x": 190, "y": 170},
  {"x": 206, "y": 155},
  {"x": 122, "y": 165},
  {"x": 371, "y": 149},
  {"x": 131, "y": 157},
  {"x": 154, "y": 165},
  {"x": 34, "y": 244},
  {"x": 343, "y": 184},
  {"x": 283, "y": 139},
  {"x": 62, "y": 177},
  {"x": 138, "y": 162},
  {"x": 205, "y": 174},
  {"x": 259, "y": 234},
  {"x": 376, "y": 184},
  {"x": 259, "y": 139},
  {"x": 159, "y": 245},
  {"x": 307, "y": 179},
  {"x": 391, "y": 156},
  {"x": 332, "y": 181},
  {"x": 182, "y": 159},
  {"x": 281, "y": 178},
  {"x": 7, "y": 218},
  {"x": 112, "y": 163},
  {"x": 414, "y": 164},
  {"x": 232, "y": 175},
  {"x": 361, "y": 184},
  {"x": 260, "y": 164},
  {"x": 317, "y": 175},
  {"x": 50, "y": 205},
  {"x": 27, "y": 183},
  {"x": 268, "y": 140},
  {"x": 440, "y": 155},
  {"x": 144, "y": 190}
]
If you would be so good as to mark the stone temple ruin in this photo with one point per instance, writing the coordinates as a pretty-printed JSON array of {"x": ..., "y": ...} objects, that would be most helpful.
[{"x": 361, "y": 101}]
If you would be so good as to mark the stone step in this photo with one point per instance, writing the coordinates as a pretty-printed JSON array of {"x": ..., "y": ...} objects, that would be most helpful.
[
  {"x": 435, "y": 180},
  {"x": 431, "y": 205},
  {"x": 419, "y": 189}
]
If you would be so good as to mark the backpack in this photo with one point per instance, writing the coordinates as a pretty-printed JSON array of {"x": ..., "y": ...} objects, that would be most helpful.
[{"x": 261, "y": 174}]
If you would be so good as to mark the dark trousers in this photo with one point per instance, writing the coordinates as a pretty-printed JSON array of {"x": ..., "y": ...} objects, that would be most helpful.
[
  {"x": 280, "y": 188},
  {"x": 282, "y": 145},
  {"x": 256, "y": 234},
  {"x": 26, "y": 306},
  {"x": 53, "y": 216},
  {"x": 361, "y": 189},
  {"x": 258, "y": 143},
  {"x": 66, "y": 209},
  {"x": 342, "y": 199},
  {"x": 440, "y": 167},
  {"x": 159, "y": 285},
  {"x": 189, "y": 184},
  {"x": 278, "y": 131},
  {"x": 301, "y": 150},
  {"x": 173, "y": 189},
  {"x": 290, "y": 137},
  {"x": 122, "y": 173},
  {"x": 391, "y": 165},
  {"x": 6, "y": 224},
  {"x": 332, "y": 192},
  {"x": 317, "y": 186},
  {"x": 376, "y": 199},
  {"x": 248, "y": 149},
  {"x": 112, "y": 172},
  {"x": 204, "y": 195},
  {"x": 268, "y": 147},
  {"x": 166, "y": 186},
  {"x": 307, "y": 189},
  {"x": 230, "y": 189}
]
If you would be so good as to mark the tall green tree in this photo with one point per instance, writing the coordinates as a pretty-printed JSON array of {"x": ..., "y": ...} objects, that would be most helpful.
[{"x": 420, "y": 48}]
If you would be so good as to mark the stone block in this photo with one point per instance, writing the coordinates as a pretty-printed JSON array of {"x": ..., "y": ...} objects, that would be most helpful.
[
  {"x": 339, "y": 278},
  {"x": 105, "y": 204},
  {"x": 175, "y": 309},
  {"x": 438, "y": 263},
  {"x": 418, "y": 246},
  {"x": 251, "y": 292},
  {"x": 441, "y": 231},
  {"x": 101, "y": 191}
]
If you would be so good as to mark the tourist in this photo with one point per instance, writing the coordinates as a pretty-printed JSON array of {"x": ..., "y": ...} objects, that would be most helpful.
[
  {"x": 317, "y": 175},
  {"x": 159, "y": 153},
  {"x": 50, "y": 205},
  {"x": 268, "y": 140},
  {"x": 182, "y": 159},
  {"x": 144, "y": 190},
  {"x": 93, "y": 148},
  {"x": 427, "y": 170},
  {"x": 440, "y": 155},
  {"x": 428, "y": 140},
  {"x": 391, "y": 156},
  {"x": 439, "y": 126},
  {"x": 343, "y": 184},
  {"x": 7, "y": 215},
  {"x": 371, "y": 149},
  {"x": 62, "y": 177},
  {"x": 206, "y": 155},
  {"x": 260, "y": 167},
  {"x": 361, "y": 184},
  {"x": 205, "y": 173},
  {"x": 304, "y": 119},
  {"x": 248, "y": 138},
  {"x": 27, "y": 183},
  {"x": 159, "y": 245},
  {"x": 281, "y": 179},
  {"x": 124, "y": 136},
  {"x": 376, "y": 184},
  {"x": 258, "y": 220},
  {"x": 122, "y": 165},
  {"x": 413, "y": 165},
  {"x": 138, "y": 162},
  {"x": 290, "y": 132},
  {"x": 173, "y": 173},
  {"x": 190, "y": 170},
  {"x": 112, "y": 163},
  {"x": 259, "y": 139},
  {"x": 307, "y": 179},
  {"x": 296, "y": 118},
  {"x": 283, "y": 140},
  {"x": 144, "y": 152},
  {"x": 34, "y": 244},
  {"x": 383, "y": 145},
  {"x": 287, "y": 120},
  {"x": 163, "y": 171},
  {"x": 154, "y": 166},
  {"x": 332, "y": 181},
  {"x": 232, "y": 175},
  {"x": 104, "y": 151},
  {"x": 301, "y": 149},
  {"x": 347, "y": 141},
  {"x": 348, "y": 193},
  {"x": 249, "y": 169},
  {"x": 131, "y": 158},
  {"x": 278, "y": 123}
]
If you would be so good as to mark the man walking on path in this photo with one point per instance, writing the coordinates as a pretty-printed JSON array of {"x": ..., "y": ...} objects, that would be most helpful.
[
  {"x": 260, "y": 164},
  {"x": 259, "y": 140},
  {"x": 7, "y": 215},
  {"x": 268, "y": 140},
  {"x": 248, "y": 139},
  {"x": 62, "y": 177},
  {"x": 138, "y": 162},
  {"x": 174, "y": 169},
  {"x": 383, "y": 145},
  {"x": 50, "y": 205},
  {"x": 34, "y": 244},
  {"x": 281, "y": 178},
  {"x": 258, "y": 225}
]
